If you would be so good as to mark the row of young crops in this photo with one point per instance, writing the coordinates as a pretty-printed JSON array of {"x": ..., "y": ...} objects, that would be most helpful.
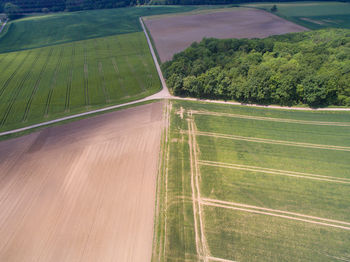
[
  {"x": 253, "y": 184},
  {"x": 45, "y": 83}
]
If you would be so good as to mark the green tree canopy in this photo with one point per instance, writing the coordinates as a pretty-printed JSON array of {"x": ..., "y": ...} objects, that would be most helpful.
[{"x": 310, "y": 68}]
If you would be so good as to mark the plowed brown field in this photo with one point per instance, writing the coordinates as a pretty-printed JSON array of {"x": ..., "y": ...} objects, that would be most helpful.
[
  {"x": 175, "y": 33},
  {"x": 84, "y": 191}
]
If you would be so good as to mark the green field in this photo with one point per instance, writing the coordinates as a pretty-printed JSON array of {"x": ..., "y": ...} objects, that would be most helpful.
[
  {"x": 39, "y": 31},
  {"x": 253, "y": 184},
  {"x": 45, "y": 83},
  {"x": 313, "y": 15}
]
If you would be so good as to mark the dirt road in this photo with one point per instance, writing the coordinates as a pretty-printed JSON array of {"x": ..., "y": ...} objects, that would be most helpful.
[
  {"x": 84, "y": 191},
  {"x": 3, "y": 25}
]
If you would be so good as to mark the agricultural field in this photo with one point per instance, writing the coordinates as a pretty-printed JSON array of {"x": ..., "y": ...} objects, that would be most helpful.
[
  {"x": 65, "y": 63},
  {"x": 83, "y": 191},
  {"x": 49, "y": 82},
  {"x": 58, "y": 28},
  {"x": 313, "y": 15},
  {"x": 174, "y": 33},
  {"x": 246, "y": 184}
]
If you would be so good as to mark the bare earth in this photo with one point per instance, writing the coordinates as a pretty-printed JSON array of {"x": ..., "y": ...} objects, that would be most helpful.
[
  {"x": 174, "y": 34},
  {"x": 84, "y": 191}
]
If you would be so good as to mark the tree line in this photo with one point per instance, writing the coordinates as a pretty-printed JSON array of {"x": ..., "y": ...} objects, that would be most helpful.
[
  {"x": 310, "y": 68},
  {"x": 16, "y": 8}
]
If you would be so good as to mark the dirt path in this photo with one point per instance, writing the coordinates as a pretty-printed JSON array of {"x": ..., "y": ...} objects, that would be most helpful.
[
  {"x": 276, "y": 213},
  {"x": 201, "y": 243},
  {"x": 84, "y": 191},
  {"x": 276, "y": 172},
  {"x": 194, "y": 197},
  {"x": 219, "y": 259},
  {"x": 3, "y": 26},
  {"x": 273, "y": 119},
  {"x": 275, "y": 142}
]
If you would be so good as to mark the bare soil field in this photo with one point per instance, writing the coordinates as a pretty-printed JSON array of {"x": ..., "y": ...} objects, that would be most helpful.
[
  {"x": 175, "y": 33},
  {"x": 84, "y": 191}
]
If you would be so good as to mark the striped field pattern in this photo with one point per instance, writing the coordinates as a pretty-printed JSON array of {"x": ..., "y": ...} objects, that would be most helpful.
[{"x": 45, "y": 83}]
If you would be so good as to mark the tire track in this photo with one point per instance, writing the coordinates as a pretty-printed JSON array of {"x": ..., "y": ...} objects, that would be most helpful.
[
  {"x": 3, "y": 57},
  {"x": 282, "y": 120},
  {"x": 204, "y": 252},
  {"x": 136, "y": 75},
  {"x": 36, "y": 86},
  {"x": 219, "y": 259},
  {"x": 195, "y": 150},
  {"x": 53, "y": 81},
  {"x": 116, "y": 70},
  {"x": 17, "y": 90},
  {"x": 5, "y": 85},
  {"x": 275, "y": 142},
  {"x": 69, "y": 80},
  {"x": 276, "y": 172},
  {"x": 103, "y": 82},
  {"x": 148, "y": 74},
  {"x": 86, "y": 78},
  {"x": 194, "y": 204},
  {"x": 277, "y": 213},
  {"x": 166, "y": 172}
]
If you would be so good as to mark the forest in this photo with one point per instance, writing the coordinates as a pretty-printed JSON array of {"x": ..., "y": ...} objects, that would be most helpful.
[{"x": 311, "y": 68}]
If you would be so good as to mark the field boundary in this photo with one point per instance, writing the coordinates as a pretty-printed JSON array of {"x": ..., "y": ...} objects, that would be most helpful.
[
  {"x": 160, "y": 216},
  {"x": 275, "y": 171},
  {"x": 224, "y": 102}
]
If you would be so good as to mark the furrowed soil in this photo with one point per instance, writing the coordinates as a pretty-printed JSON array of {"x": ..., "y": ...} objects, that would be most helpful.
[
  {"x": 84, "y": 191},
  {"x": 174, "y": 34}
]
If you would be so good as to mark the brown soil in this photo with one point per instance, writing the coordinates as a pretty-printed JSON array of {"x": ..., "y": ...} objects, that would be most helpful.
[
  {"x": 84, "y": 191},
  {"x": 173, "y": 34}
]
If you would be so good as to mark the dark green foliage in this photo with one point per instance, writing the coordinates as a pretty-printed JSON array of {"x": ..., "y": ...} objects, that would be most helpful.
[
  {"x": 30, "y": 6},
  {"x": 11, "y": 10},
  {"x": 274, "y": 8},
  {"x": 310, "y": 68}
]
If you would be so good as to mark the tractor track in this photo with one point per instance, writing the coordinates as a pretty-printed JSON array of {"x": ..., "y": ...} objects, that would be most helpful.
[{"x": 36, "y": 86}]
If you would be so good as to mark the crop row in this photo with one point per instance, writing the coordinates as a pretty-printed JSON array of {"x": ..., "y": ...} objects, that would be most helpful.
[{"x": 49, "y": 82}]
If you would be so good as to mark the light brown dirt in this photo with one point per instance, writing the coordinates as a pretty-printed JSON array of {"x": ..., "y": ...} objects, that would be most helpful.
[
  {"x": 174, "y": 34},
  {"x": 84, "y": 191}
]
